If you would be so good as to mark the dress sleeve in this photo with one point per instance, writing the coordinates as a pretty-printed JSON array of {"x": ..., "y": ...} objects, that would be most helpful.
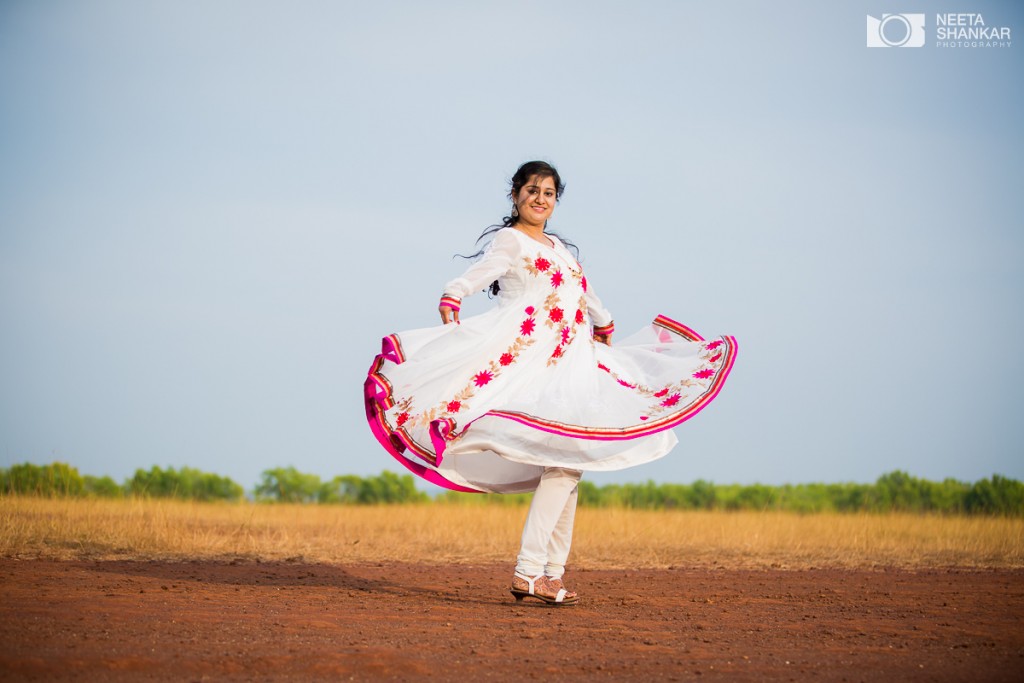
[
  {"x": 600, "y": 316},
  {"x": 498, "y": 258}
]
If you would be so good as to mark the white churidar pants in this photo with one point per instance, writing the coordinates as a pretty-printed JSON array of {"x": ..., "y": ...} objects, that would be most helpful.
[{"x": 547, "y": 534}]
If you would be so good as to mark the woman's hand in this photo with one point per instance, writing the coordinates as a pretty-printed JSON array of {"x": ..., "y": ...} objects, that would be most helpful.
[
  {"x": 448, "y": 314},
  {"x": 449, "y": 309},
  {"x": 603, "y": 333}
]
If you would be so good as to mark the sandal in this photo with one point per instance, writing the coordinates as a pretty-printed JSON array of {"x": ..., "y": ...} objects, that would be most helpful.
[
  {"x": 559, "y": 597},
  {"x": 556, "y": 584}
]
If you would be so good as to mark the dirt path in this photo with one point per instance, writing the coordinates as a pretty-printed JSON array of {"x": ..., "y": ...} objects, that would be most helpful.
[{"x": 98, "y": 621}]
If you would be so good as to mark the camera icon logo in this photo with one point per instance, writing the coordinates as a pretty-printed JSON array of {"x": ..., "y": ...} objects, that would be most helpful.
[{"x": 896, "y": 30}]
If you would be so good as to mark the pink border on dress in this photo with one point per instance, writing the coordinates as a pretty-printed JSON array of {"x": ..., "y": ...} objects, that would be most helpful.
[
  {"x": 677, "y": 327},
  {"x": 375, "y": 416}
]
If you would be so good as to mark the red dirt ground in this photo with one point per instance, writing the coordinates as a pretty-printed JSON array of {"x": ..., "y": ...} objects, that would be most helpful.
[{"x": 108, "y": 621}]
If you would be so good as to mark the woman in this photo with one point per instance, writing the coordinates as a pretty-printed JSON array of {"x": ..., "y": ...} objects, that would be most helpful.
[{"x": 529, "y": 395}]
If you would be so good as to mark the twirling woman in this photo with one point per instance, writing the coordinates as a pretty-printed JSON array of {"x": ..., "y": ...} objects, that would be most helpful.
[{"x": 531, "y": 394}]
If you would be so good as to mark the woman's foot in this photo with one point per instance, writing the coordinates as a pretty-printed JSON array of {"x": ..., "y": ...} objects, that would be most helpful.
[
  {"x": 556, "y": 585},
  {"x": 546, "y": 589}
]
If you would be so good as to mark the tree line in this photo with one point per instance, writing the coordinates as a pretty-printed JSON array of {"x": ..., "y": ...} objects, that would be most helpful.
[
  {"x": 281, "y": 484},
  {"x": 892, "y": 492}
]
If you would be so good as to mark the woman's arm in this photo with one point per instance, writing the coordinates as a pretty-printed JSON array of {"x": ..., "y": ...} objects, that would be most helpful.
[
  {"x": 600, "y": 317},
  {"x": 498, "y": 258}
]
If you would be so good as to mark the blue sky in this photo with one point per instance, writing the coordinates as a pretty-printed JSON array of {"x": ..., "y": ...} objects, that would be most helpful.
[{"x": 211, "y": 212}]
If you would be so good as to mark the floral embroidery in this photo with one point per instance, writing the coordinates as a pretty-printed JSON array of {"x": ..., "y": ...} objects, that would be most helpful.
[
  {"x": 556, "y": 314},
  {"x": 671, "y": 396},
  {"x": 671, "y": 400},
  {"x": 404, "y": 408},
  {"x": 459, "y": 401},
  {"x": 561, "y": 319},
  {"x": 537, "y": 265}
]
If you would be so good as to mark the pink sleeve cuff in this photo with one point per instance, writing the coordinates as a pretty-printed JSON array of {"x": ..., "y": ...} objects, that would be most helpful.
[
  {"x": 605, "y": 329},
  {"x": 451, "y": 302}
]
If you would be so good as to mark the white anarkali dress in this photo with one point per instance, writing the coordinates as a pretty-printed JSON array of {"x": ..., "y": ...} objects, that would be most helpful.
[{"x": 488, "y": 403}]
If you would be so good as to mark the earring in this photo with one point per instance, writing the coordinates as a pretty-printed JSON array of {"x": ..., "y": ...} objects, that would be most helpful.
[{"x": 515, "y": 211}]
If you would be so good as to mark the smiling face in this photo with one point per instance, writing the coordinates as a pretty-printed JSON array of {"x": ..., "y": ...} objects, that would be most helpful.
[{"x": 536, "y": 200}]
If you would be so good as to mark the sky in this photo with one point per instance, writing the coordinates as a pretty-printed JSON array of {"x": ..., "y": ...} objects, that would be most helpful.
[{"x": 210, "y": 214}]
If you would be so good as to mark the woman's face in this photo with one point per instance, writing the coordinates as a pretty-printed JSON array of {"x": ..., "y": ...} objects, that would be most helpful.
[{"x": 536, "y": 200}]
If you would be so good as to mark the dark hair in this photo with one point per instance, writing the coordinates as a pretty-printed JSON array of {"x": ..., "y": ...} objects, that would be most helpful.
[{"x": 520, "y": 178}]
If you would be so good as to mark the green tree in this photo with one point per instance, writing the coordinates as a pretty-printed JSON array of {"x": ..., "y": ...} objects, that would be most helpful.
[
  {"x": 701, "y": 495},
  {"x": 187, "y": 484},
  {"x": 899, "y": 491},
  {"x": 102, "y": 487},
  {"x": 755, "y": 497},
  {"x": 590, "y": 494},
  {"x": 288, "y": 485},
  {"x": 389, "y": 487},
  {"x": 55, "y": 479},
  {"x": 997, "y": 495},
  {"x": 342, "y": 489}
]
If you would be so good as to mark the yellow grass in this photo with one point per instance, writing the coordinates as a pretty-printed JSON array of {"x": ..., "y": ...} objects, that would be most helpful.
[{"x": 444, "y": 533}]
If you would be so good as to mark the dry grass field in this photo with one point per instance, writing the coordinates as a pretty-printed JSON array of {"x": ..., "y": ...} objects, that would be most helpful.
[
  {"x": 168, "y": 590},
  {"x": 32, "y": 528}
]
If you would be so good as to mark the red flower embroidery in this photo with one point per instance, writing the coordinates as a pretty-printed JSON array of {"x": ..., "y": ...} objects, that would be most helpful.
[
  {"x": 627, "y": 384},
  {"x": 453, "y": 406},
  {"x": 557, "y": 353},
  {"x": 704, "y": 374},
  {"x": 671, "y": 400},
  {"x": 584, "y": 283},
  {"x": 661, "y": 393},
  {"x": 643, "y": 417},
  {"x": 402, "y": 418},
  {"x": 713, "y": 345},
  {"x": 714, "y": 358},
  {"x": 603, "y": 367},
  {"x": 527, "y": 327},
  {"x": 542, "y": 264},
  {"x": 555, "y": 314},
  {"x": 556, "y": 278},
  {"x": 506, "y": 358},
  {"x": 565, "y": 335},
  {"x": 483, "y": 378},
  {"x": 530, "y": 310},
  {"x": 579, "y": 316}
]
